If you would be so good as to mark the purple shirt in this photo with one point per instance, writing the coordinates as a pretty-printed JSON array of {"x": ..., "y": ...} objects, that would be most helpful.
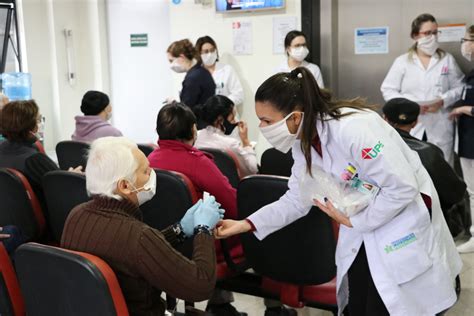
[{"x": 91, "y": 127}]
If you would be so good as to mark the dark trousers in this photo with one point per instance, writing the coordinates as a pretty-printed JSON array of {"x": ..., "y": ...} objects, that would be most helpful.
[{"x": 364, "y": 299}]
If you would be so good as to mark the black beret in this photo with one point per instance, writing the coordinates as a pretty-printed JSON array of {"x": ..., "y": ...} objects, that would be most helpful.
[
  {"x": 401, "y": 111},
  {"x": 94, "y": 102}
]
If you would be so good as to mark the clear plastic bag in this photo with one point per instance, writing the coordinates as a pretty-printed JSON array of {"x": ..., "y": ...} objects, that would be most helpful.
[{"x": 348, "y": 196}]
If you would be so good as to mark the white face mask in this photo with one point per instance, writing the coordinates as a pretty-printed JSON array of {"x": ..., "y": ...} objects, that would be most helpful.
[
  {"x": 278, "y": 134},
  {"x": 108, "y": 116},
  {"x": 209, "y": 59},
  {"x": 465, "y": 51},
  {"x": 428, "y": 44},
  {"x": 147, "y": 192},
  {"x": 299, "y": 53},
  {"x": 177, "y": 67}
]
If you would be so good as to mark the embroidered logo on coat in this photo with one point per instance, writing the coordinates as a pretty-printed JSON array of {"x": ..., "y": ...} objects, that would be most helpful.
[
  {"x": 372, "y": 153},
  {"x": 400, "y": 243}
]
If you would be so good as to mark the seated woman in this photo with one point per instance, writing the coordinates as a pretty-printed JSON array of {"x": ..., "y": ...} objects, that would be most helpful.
[
  {"x": 217, "y": 117},
  {"x": 176, "y": 128},
  {"x": 19, "y": 124},
  {"x": 94, "y": 123}
]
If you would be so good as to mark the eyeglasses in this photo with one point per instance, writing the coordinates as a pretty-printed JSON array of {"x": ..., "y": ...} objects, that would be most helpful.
[
  {"x": 466, "y": 40},
  {"x": 207, "y": 51},
  {"x": 299, "y": 45},
  {"x": 428, "y": 33},
  {"x": 40, "y": 119}
]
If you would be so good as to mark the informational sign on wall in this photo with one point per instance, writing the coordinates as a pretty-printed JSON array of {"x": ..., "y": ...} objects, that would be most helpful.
[
  {"x": 451, "y": 32},
  {"x": 242, "y": 36},
  {"x": 139, "y": 40},
  {"x": 371, "y": 40},
  {"x": 281, "y": 27}
]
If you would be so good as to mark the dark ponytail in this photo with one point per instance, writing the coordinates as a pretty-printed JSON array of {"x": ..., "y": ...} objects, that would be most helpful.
[
  {"x": 299, "y": 91},
  {"x": 215, "y": 106}
]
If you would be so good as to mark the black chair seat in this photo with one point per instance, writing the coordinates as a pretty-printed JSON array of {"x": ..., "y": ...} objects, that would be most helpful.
[
  {"x": 172, "y": 199},
  {"x": 226, "y": 164},
  {"x": 56, "y": 281},
  {"x": 19, "y": 205},
  {"x": 72, "y": 154},
  {"x": 63, "y": 191},
  {"x": 301, "y": 253}
]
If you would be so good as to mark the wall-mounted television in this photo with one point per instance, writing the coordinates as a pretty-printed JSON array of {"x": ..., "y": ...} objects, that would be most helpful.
[{"x": 224, "y": 6}]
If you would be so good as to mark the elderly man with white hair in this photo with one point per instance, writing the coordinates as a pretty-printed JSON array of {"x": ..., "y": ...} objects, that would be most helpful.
[{"x": 110, "y": 226}]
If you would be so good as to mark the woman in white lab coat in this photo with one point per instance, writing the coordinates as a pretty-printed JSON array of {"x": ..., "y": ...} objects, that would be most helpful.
[
  {"x": 430, "y": 77},
  {"x": 225, "y": 77},
  {"x": 296, "y": 49},
  {"x": 396, "y": 256}
]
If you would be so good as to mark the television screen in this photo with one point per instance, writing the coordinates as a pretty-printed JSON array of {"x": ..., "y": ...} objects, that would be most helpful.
[{"x": 249, "y": 5}]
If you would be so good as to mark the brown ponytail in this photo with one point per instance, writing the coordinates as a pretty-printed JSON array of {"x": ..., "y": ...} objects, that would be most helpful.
[{"x": 298, "y": 90}]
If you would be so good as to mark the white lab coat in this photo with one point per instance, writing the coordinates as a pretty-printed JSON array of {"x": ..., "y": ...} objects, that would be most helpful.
[
  {"x": 228, "y": 83},
  {"x": 414, "y": 280},
  {"x": 407, "y": 78},
  {"x": 283, "y": 67}
]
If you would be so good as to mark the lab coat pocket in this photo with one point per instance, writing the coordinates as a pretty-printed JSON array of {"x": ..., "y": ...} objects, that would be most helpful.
[
  {"x": 404, "y": 251},
  {"x": 443, "y": 83}
]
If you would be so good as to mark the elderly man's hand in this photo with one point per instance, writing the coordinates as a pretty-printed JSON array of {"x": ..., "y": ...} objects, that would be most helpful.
[{"x": 209, "y": 214}]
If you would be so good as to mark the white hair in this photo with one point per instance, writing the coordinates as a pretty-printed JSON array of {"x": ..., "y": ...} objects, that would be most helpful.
[{"x": 110, "y": 160}]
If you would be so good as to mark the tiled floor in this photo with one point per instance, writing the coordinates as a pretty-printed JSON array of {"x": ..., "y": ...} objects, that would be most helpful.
[{"x": 464, "y": 307}]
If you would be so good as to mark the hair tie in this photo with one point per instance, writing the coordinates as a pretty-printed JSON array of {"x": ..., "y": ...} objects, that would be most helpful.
[{"x": 299, "y": 75}]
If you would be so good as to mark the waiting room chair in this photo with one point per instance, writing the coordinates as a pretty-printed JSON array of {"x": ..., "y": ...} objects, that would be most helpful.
[
  {"x": 72, "y": 154},
  {"x": 20, "y": 206},
  {"x": 295, "y": 264},
  {"x": 146, "y": 148},
  {"x": 274, "y": 162},
  {"x": 227, "y": 163},
  {"x": 175, "y": 194},
  {"x": 11, "y": 299},
  {"x": 63, "y": 191},
  {"x": 57, "y": 281}
]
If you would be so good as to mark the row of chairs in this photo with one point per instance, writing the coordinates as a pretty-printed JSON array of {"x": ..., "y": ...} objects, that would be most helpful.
[
  {"x": 270, "y": 258},
  {"x": 273, "y": 162}
]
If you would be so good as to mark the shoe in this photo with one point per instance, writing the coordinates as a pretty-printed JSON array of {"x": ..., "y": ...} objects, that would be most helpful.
[
  {"x": 224, "y": 310},
  {"x": 467, "y": 247},
  {"x": 280, "y": 311}
]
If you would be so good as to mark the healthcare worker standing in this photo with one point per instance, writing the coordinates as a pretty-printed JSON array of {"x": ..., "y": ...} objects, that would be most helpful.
[
  {"x": 198, "y": 85},
  {"x": 395, "y": 256},
  {"x": 296, "y": 49},
  {"x": 224, "y": 75},
  {"x": 465, "y": 118},
  {"x": 430, "y": 77}
]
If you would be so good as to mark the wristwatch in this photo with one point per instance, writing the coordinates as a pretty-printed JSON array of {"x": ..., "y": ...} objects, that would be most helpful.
[
  {"x": 178, "y": 230},
  {"x": 472, "y": 110},
  {"x": 202, "y": 229}
]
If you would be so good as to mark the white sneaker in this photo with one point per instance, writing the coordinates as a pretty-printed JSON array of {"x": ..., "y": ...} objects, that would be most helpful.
[{"x": 467, "y": 247}]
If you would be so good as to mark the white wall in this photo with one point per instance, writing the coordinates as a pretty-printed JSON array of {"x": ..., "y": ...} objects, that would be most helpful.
[
  {"x": 189, "y": 20},
  {"x": 45, "y": 44},
  {"x": 140, "y": 76}
]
